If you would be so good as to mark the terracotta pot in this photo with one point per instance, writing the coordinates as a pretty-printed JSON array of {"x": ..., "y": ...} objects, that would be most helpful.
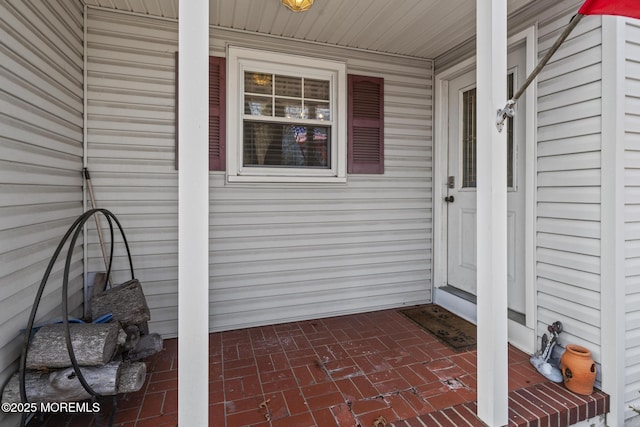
[{"x": 578, "y": 369}]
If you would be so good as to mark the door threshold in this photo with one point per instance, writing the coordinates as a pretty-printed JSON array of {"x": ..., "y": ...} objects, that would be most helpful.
[
  {"x": 463, "y": 304},
  {"x": 457, "y": 301},
  {"x": 469, "y": 297}
]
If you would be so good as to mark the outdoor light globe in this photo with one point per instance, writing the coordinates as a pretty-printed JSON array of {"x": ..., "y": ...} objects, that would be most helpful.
[{"x": 297, "y": 5}]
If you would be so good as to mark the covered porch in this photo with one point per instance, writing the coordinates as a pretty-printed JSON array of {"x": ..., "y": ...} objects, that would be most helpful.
[
  {"x": 352, "y": 370},
  {"x": 195, "y": 131},
  {"x": 221, "y": 255}
]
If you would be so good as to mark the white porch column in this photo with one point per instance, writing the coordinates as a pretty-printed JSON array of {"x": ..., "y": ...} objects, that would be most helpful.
[
  {"x": 492, "y": 212},
  {"x": 193, "y": 213},
  {"x": 612, "y": 240}
]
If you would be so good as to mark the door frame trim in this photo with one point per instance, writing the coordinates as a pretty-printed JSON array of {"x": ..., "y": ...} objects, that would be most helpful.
[{"x": 441, "y": 137}]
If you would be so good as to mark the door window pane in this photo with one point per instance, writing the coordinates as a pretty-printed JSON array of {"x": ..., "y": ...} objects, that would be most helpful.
[
  {"x": 510, "y": 135},
  {"x": 469, "y": 137}
]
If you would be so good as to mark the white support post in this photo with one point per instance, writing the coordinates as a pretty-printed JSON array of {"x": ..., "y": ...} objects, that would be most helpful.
[
  {"x": 491, "y": 160},
  {"x": 193, "y": 214},
  {"x": 612, "y": 240}
]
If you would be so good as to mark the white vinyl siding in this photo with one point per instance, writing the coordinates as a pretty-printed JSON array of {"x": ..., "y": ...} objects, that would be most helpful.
[
  {"x": 282, "y": 253},
  {"x": 632, "y": 214},
  {"x": 131, "y": 152},
  {"x": 568, "y": 180},
  {"x": 40, "y": 167},
  {"x": 278, "y": 252}
]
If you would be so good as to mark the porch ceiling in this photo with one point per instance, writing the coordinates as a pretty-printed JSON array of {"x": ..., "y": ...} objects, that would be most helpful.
[{"x": 418, "y": 28}]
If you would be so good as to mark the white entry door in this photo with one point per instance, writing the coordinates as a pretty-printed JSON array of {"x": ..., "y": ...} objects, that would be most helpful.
[{"x": 461, "y": 185}]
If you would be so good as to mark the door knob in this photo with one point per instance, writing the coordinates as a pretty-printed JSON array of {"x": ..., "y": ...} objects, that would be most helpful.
[{"x": 449, "y": 199}]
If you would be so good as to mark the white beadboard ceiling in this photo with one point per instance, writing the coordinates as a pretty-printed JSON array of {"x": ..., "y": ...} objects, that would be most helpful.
[{"x": 418, "y": 28}]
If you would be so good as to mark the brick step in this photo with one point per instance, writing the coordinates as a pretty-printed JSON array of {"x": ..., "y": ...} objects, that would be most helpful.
[{"x": 541, "y": 405}]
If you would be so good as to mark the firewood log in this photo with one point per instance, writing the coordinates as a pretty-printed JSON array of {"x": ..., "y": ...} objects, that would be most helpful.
[
  {"x": 148, "y": 345},
  {"x": 131, "y": 377},
  {"x": 126, "y": 303},
  {"x": 93, "y": 345},
  {"x": 63, "y": 385}
]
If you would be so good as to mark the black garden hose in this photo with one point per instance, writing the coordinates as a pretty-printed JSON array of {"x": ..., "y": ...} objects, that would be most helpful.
[{"x": 77, "y": 226}]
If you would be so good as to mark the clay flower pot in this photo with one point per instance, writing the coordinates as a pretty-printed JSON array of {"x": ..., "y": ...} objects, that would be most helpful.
[{"x": 578, "y": 369}]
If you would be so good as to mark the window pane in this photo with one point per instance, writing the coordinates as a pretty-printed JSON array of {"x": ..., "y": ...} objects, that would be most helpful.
[
  {"x": 257, "y": 83},
  {"x": 291, "y": 109},
  {"x": 469, "y": 139},
  {"x": 289, "y": 86},
  {"x": 318, "y": 111},
  {"x": 316, "y": 89},
  {"x": 274, "y": 144},
  {"x": 257, "y": 105}
]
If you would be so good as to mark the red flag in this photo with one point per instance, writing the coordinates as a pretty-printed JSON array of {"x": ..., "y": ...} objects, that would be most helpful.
[{"x": 630, "y": 8}]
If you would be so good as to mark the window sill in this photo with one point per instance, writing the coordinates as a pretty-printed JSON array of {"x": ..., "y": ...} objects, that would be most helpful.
[{"x": 232, "y": 179}]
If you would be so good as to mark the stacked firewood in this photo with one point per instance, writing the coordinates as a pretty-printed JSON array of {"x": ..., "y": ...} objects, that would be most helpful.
[{"x": 108, "y": 354}]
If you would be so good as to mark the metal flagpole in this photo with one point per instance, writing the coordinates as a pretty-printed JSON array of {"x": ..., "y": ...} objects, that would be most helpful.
[{"x": 508, "y": 111}]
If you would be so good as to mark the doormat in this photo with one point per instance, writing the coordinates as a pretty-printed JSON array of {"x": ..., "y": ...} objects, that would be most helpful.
[{"x": 457, "y": 333}]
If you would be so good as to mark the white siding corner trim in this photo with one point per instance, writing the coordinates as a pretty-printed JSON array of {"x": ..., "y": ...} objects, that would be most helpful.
[{"x": 628, "y": 122}]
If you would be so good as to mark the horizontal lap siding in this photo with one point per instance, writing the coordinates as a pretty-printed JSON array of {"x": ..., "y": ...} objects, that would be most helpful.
[
  {"x": 632, "y": 214},
  {"x": 278, "y": 252},
  {"x": 282, "y": 253},
  {"x": 40, "y": 167},
  {"x": 131, "y": 145},
  {"x": 568, "y": 180}
]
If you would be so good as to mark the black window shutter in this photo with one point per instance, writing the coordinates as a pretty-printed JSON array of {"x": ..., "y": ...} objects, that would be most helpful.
[{"x": 365, "y": 125}]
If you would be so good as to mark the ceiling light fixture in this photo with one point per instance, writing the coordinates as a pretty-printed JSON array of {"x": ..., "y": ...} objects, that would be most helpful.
[{"x": 297, "y": 5}]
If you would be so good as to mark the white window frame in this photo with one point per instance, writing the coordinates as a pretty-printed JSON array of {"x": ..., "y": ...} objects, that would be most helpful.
[{"x": 239, "y": 60}]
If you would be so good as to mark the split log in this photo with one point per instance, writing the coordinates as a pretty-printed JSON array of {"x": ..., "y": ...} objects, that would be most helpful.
[
  {"x": 93, "y": 345},
  {"x": 148, "y": 345},
  {"x": 126, "y": 303},
  {"x": 131, "y": 377},
  {"x": 63, "y": 385}
]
